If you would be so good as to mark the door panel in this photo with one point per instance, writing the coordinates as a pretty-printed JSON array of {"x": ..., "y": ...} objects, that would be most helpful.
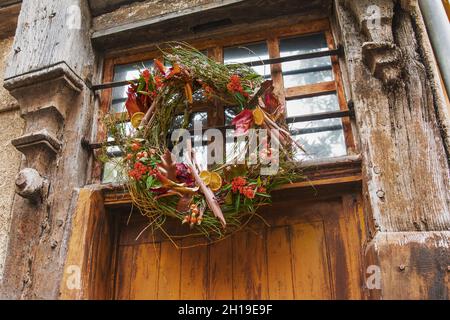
[{"x": 311, "y": 250}]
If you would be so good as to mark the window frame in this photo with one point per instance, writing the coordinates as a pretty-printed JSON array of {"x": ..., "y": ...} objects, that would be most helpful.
[{"x": 214, "y": 47}]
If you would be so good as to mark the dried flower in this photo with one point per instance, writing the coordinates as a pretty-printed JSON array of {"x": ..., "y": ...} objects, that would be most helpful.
[
  {"x": 248, "y": 192},
  {"x": 235, "y": 86},
  {"x": 139, "y": 170},
  {"x": 237, "y": 184},
  {"x": 135, "y": 147},
  {"x": 160, "y": 66},
  {"x": 261, "y": 190},
  {"x": 132, "y": 105},
  {"x": 243, "y": 121}
]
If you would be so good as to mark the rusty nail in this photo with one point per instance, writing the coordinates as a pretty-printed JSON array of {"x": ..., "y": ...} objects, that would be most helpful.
[
  {"x": 402, "y": 267},
  {"x": 17, "y": 50},
  {"x": 376, "y": 170}
]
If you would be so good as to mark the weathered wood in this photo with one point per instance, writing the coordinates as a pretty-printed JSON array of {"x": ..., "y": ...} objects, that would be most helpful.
[
  {"x": 91, "y": 250},
  {"x": 312, "y": 250},
  {"x": 310, "y": 265},
  {"x": 65, "y": 30},
  {"x": 123, "y": 277},
  {"x": 145, "y": 271},
  {"x": 169, "y": 279},
  {"x": 174, "y": 25},
  {"x": 250, "y": 278},
  {"x": 343, "y": 104},
  {"x": 99, "y": 7},
  {"x": 221, "y": 271},
  {"x": 310, "y": 90},
  {"x": 279, "y": 266},
  {"x": 48, "y": 81},
  {"x": 405, "y": 165},
  {"x": 324, "y": 172},
  {"x": 402, "y": 126},
  {"x": 194, "y": 281},
  {"x": 412, "y": 265}
]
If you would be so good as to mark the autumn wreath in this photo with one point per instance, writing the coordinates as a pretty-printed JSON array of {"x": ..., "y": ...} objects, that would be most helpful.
[{"x": 213, "y": 202}]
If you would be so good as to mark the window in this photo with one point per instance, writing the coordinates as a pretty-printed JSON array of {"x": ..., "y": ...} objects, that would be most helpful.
[{"x": 309, "y": 86}]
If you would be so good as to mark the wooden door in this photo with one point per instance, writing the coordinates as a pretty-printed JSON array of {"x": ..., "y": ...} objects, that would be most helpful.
[{"x": 312, "y": 250}]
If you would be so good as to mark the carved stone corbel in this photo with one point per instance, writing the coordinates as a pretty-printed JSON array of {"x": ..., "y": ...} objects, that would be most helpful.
[
  {"x": 45, "y": 98},
  {"x": 379, "y": 52}
]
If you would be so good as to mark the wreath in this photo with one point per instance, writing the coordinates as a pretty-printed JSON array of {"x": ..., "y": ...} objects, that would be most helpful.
[{"x": 214, "y": 202}]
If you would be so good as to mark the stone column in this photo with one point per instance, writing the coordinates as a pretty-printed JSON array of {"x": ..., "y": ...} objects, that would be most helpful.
[
  {"x": 402, "y": 131},
  {"x": 49, "y": 68}
]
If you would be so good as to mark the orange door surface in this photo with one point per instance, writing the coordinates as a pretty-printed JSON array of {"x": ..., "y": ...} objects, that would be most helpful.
[{"x": 312, "y": 250}]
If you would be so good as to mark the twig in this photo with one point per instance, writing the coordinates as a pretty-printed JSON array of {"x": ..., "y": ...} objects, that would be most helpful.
[{"x": 209, "y": 195}]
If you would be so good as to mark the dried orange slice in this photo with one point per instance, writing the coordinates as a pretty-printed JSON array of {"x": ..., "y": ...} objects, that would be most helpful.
[
  {"x": 136, "y": 119},
  {"x": 258, "y": 116},
  {"x": 206, "y": 177},
  {"x": 216, "y": 181}
]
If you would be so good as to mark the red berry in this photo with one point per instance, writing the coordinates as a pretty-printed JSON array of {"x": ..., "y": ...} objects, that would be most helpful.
[{"x": 135, "y": 146}]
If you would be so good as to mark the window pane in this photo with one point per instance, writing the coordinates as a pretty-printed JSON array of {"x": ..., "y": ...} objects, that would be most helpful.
[
  {"x": 302, "y": 72},
  {"x": 300, "y": 107},
  {"x": 121, "y": 73},
  {"x": 321, "y": 145},
  {"x": 246, "y": 53},
  {"x": 320, "y": 138},
  {"x": 111, "y": 172}
]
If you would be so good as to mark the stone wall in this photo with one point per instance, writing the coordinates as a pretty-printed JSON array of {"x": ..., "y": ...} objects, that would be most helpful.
[{"x": 11, "y": 126}]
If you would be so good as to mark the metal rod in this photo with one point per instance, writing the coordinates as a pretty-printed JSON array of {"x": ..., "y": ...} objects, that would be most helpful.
[
  {"x": 255, "y": 63},
  {"x": 297, "y": 132},
  {"x": 302, "y": 56},
  {"x": 438, "y": 28},
  {"x": 320, "y": 116},
  {"x": 305, "y": 118}
]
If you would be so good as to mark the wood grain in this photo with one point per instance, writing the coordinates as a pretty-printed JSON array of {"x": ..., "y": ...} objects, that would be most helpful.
[
  {"x": 249, "y": 265},
  {"x": 169, "y": 272},
  {"x": 145, "y": 271},
  {"x": 279, "y": 264},
  {"x": 310, "y": 90},
  {"x": 194, "y": 270},
  {"x": 312, "y": 250},
  {"x": 310, "y": 262},
  {"x": 124, "y": 272},
  {"x": 221, "y": 270},
  {"x": 91, "y": 249}
]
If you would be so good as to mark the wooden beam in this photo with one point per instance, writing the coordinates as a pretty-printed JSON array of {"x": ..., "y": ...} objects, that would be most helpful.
[
  {"x": 99, "y": 7},
  {"x": 310, "y": 90},
  {"x": 88, "y": 270},
  {"x": 324, "y": 172},
  {"x": 182, "y": 24}
]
